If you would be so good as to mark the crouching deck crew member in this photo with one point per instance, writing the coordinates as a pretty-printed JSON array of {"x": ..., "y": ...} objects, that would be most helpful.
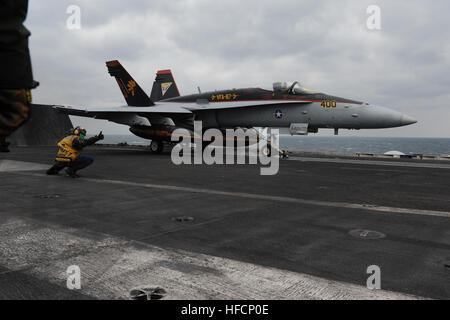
[{"x": 69, "y": 153}]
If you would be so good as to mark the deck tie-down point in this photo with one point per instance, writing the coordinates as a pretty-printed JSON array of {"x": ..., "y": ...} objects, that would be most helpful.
[{"x": 147, "y": 293}]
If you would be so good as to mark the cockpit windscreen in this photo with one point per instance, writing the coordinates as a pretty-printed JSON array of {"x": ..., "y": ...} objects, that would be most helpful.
[{"x": 292, "y": 88}]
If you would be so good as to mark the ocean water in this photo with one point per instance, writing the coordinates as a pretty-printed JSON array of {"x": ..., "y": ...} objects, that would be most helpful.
[{"x": 425, "y": 146}]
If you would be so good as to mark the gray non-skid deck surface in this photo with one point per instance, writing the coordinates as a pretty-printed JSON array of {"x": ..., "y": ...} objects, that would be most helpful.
[{"x": 284, "y": 236}]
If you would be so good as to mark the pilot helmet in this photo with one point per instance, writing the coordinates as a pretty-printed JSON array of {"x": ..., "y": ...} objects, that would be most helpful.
[{"x": 280, "y": 86}]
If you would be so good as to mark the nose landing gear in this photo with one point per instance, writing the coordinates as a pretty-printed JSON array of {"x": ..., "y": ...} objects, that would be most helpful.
[{"x": 269, "y": 148}]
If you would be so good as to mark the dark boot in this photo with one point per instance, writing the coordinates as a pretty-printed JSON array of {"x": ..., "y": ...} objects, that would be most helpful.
[
  {"x": 52, "y": 172},
  {"x": 57, "y": 167},
  {"x": 72, "y": 173},
  {"x": 4, "y": 145}
]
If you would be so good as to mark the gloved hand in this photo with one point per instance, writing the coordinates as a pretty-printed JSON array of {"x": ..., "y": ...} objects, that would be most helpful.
[{"x": 100, "y": 136}]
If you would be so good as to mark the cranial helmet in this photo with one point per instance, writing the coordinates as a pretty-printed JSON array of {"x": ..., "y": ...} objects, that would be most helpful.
[{"x": 79, "y": 131}]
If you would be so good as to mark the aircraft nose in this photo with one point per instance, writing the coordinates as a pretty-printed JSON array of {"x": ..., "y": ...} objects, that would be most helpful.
[
  {"x": 382, "y": 117},
  {"x": 407, "y": 120}
]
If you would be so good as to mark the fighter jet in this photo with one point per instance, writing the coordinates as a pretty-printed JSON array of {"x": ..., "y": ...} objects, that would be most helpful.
[{"x": 291, "y": 107}]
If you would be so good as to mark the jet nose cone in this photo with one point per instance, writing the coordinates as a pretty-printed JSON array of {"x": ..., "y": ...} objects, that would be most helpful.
[{"x": 407, "y": 120}]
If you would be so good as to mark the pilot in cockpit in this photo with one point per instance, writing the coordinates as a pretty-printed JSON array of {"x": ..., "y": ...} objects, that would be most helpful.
[{"x": 294, "y": 88}]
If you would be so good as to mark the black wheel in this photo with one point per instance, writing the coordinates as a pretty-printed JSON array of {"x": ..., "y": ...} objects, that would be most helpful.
[
  {"x": 267, "y": 150},
  {"x": 156, "y": 146},
  {"x": 205, "y": 144}
]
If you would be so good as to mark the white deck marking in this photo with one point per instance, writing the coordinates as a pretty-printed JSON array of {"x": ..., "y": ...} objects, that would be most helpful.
[
  {"x": 373, "y": 162},
  {"x": 12, "y": 165},
  {"x": 112, "y": 266},
  {"x": 282, "y": 199},
  {"x": 377, "y": 170},
  {"x": 262, "y": 197}
]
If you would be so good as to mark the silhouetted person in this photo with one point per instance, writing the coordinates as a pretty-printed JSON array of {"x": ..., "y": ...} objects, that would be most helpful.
[
  {"x": 16, "y": 78},
  {"x": 69, "y": 153}
]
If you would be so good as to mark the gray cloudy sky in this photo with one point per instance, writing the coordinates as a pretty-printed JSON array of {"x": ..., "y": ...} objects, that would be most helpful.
[{"x": 225, "y": 44}]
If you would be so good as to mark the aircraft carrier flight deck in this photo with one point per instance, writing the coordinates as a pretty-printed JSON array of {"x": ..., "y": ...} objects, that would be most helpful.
[{"x": 134, "y": 220}]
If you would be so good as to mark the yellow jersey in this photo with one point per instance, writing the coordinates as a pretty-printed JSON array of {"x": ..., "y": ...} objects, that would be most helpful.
[{"x": 67, "y": 152}]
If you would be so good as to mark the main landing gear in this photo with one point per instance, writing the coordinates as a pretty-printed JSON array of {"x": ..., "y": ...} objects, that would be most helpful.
[{"x": 156, "y": 146}]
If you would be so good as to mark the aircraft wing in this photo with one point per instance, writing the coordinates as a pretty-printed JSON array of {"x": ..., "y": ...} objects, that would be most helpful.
[
  {"x": 169, "y": 109},
  {"x": 98, "y": 112},
  {"x": 173, "y": 110}
]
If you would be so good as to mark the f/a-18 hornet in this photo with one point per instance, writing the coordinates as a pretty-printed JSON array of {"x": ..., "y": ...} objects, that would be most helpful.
[{"x": 292, "y": 108}]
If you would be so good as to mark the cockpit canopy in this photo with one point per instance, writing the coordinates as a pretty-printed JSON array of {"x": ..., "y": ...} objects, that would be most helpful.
[{"x": 292, "y": 88}]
